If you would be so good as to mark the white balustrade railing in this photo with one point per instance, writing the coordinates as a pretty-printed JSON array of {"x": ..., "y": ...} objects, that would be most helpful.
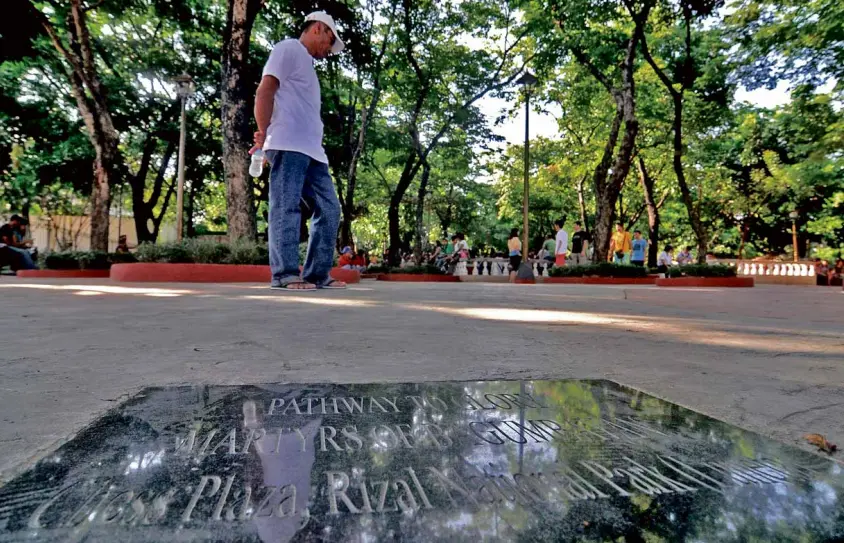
[
  {"x": 498, "y": 267},
  {"x": 780, "y": 269}
]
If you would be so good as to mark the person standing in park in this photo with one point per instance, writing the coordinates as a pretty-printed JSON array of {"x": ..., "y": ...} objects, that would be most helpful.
[
  {"x": 639, "y": 248},
  {"x": 579, "y": 246},
  {"x": 514, "y": 246},
  {"x": 620, "y": 245},
  {"x": 548, "y": 248},
  {"x": 562, "y": 243},
  {"x": 287, "y": 111}
]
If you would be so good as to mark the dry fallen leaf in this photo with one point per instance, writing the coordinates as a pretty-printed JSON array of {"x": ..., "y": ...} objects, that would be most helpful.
[{"x": 821, "y": 443}]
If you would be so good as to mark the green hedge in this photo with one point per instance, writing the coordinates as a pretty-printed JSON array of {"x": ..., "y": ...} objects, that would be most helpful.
[
  {"x": 84, "y": 260},
  {"x": 410, "y": 270},
  {"x": 603, "y": 269},
  {"x": 192, "y": 251},
  {"x": 701, "y": 270}
]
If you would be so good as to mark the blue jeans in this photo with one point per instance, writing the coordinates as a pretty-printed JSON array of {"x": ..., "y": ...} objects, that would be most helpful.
[
  {"x": 24, "y": 259},
  {"x": 293, "y": 174}
]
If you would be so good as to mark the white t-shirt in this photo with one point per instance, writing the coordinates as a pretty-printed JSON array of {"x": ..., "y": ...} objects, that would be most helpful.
[
  {"x": 296, "y": 124},
  {"x": 562, "y": 242},
  {"x": 664, "y": 259},
  {"x": 461, "y": 246}
]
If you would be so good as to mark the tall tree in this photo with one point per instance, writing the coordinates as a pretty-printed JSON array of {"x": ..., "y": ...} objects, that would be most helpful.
[
  {"x": 442, "y": 80},
  {"x": 603, "y": 42},
  {"x": 91, "y": 98},
  {"x": 237, "y": 91},
  {"x": 677, "y": 79}
]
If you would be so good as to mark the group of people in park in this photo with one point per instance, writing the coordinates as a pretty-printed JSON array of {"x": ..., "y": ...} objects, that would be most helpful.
[
  {"x": 624, "y": 249},
  {"x": 829, "y": 275}
]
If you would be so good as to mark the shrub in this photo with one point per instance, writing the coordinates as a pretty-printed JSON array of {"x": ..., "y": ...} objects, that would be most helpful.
[
  {"x": 64, "y": 260},
  {"x": 173, "y": 253},
  {"x": 416, "y": 270},
  {"x": 205, "y": 252},
  {"x": 603, "y": 269},
  {"x": 122, "y": 258},
  {"x": 94, "y": 260},
  {"x": 701, "y": 270},
  {"x": 202, "y": 251},
  {"x": 83, "y": 260},
  {"x": 248, "y": 252},
  {"x": 379, "y": 268}
]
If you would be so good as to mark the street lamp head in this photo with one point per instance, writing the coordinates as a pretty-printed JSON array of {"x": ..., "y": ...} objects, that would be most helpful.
[
  {"x": 527, "y": 79},
  {"x": 793, "y": 215},
  {"x": 185, "y": 85}
]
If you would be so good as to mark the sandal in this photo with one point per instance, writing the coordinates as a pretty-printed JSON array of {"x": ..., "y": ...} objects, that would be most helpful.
[
  {"x": 298, "y": 285},
  {"x": 332, "y": 284}
]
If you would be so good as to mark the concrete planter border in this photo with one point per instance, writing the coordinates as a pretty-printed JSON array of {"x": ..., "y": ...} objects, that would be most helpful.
[
  {"x": 154, "y": 272},
  {"x": 714, "y": 282}
]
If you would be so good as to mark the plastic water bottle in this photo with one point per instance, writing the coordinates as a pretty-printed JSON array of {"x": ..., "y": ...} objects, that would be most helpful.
[{"x": 256, "y": 167}]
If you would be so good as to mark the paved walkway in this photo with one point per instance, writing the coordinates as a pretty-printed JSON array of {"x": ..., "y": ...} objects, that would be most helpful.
[{"x": 770, "y": 359}]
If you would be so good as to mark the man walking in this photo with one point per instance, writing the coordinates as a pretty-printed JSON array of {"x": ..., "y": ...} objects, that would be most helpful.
[{"x": 287, "y": 111}]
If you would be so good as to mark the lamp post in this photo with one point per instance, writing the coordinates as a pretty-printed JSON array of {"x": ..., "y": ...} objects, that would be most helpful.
[
  {"x": 793, "y": 216},
  {"x": 185, "y": 91},
  {"x": 527, "y": 81}
]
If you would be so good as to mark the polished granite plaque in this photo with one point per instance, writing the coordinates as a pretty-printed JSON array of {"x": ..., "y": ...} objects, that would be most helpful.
[{"x": 474, "y": 461}]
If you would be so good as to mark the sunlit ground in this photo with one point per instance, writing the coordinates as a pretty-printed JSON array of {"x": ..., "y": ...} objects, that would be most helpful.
[{"x": 704, "y": 330}]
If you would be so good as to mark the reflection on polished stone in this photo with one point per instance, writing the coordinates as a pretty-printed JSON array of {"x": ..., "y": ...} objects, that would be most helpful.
[{"x": 505, "y": 460}]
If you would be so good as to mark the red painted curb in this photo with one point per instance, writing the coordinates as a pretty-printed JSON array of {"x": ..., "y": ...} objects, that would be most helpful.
[
  {"x": 206, "y": 273},
  {"x": 718, "y": 282},
  {"x": 63, "y": 274},
  {"x": 418, "y": 278},
  {"x": 600, "y": 280}
]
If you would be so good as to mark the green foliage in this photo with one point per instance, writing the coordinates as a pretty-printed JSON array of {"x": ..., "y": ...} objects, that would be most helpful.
[
  {"x": 701, "y": 270},
  {"x": 83, "y": 260},
  {"x": 747, "y": 167},
  {"x": 410, "y": 270},
  {"x": 602, "y": 269},
  {"x": 197, "y": 251}
]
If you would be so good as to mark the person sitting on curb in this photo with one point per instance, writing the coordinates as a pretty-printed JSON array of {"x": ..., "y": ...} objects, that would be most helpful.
[
  {"x": 684, "y": 257},
  {"x": 346, "y": 257},
  {"x": 14, "y": 246}
]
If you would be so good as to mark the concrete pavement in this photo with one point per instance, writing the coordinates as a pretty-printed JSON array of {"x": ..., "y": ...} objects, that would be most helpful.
[{"x": 769, "y": 359}]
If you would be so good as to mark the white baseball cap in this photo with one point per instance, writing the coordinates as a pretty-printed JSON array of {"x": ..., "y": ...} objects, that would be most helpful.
[{"x": 328, "y": 21}]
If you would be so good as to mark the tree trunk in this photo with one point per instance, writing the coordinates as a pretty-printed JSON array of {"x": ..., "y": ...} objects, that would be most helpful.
[
  {"x": 677, "y": 126},
  {"x": 236, "y": 115},
  {"x": 420, "y": 211},
  {"x": 581, "y": 202},
  {"x": 92, "y": 103},
  {"x": 647, "y": 183},
  {"x": 144, "y": 209},
  {"x": 604, "y": 202},
  {"x": 693, "y": 211}
]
